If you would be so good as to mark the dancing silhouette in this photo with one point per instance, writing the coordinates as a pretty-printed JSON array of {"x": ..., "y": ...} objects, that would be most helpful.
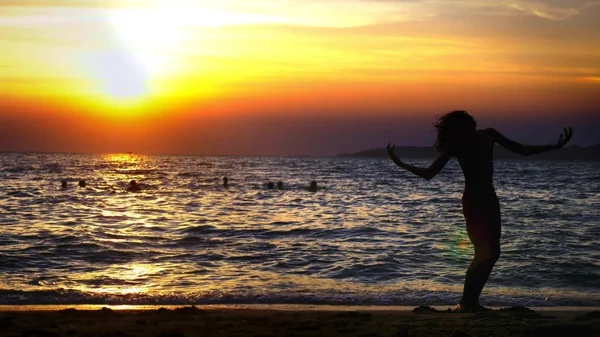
[{"x": 457, "y": 135}]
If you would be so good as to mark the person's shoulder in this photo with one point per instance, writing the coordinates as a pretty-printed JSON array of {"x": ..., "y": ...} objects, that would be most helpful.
[
  {"x": 488, "y": 136},
  {"x": 488, "y": 131}
]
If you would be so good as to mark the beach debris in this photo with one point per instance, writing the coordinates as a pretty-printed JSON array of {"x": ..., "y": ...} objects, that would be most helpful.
[
  {"x": 518, "y": 310},
  {"x": 189, "y": 310},
  {"x": 425, "y": 309},
  {"x": 521, "y": 311},
  {"x": 108, "y": 311}
]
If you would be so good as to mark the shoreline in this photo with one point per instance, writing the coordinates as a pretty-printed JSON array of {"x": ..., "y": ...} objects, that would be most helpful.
[{"x": 262, "y": 307}]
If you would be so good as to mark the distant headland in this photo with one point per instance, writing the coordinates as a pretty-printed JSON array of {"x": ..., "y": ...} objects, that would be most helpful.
[{"x": 575, "y": 152}]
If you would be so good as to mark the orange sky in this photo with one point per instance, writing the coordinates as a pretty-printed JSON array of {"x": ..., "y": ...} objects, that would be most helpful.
[{"x": 290, "y": 77}]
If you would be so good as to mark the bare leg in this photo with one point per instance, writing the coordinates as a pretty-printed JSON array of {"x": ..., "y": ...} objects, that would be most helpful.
[
  {"x": 478, "y": 273},
  {"x": 482, "y": 214}
]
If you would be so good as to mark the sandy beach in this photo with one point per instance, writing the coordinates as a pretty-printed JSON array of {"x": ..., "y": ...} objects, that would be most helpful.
[{"x": 194, "y": 321}]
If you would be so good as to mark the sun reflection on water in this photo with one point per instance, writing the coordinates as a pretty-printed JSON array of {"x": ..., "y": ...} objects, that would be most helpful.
[
  {"x": 124, "y": 158},
  {"x": 134, "y": 279}
]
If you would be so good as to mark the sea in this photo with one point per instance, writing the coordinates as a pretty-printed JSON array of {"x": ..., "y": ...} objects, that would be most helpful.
[{"x": 372, "y": 234}]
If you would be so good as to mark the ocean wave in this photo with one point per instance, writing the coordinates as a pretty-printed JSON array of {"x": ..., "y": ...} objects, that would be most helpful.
[
  {"x": 140, "y": 172},
  {"x": 371, "y": 236},
  {"x": 332, "y": 297}
]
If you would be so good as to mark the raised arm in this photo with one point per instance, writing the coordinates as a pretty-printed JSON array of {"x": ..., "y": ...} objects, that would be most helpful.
[
  {"x": 426, "y": 173},
  {"x": 528, "y": 150}
]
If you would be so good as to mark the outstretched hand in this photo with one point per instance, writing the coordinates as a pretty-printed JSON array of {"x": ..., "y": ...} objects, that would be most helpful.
[
  {"x": 564, "y": 137},
  {"x": 390, "y": 150}
]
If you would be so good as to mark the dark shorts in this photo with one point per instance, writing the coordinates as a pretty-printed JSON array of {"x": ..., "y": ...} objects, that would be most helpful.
[{"x": 482, "y": 214}]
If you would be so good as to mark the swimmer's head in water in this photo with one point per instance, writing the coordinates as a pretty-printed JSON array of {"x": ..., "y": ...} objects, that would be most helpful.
[
  {"x": 225, "y": 181},
  {"x": 133, "y": 186},
  {"x": 279, "y": 185},
  {"x": 454, "y": 129},
  {"x": 270, "y": 185},
  {"x": 63, "y": 184},
  {"x": 82, "y": 183}
]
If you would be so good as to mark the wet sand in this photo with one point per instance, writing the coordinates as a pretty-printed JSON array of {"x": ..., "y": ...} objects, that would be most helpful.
[{"x": 193, "y": 321}]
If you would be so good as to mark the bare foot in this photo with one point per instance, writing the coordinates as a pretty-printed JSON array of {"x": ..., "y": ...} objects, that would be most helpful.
[{"x": 471, "y": 309}]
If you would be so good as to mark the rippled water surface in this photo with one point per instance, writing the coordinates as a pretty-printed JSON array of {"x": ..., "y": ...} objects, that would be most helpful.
[{"x": 372, "y": 234}]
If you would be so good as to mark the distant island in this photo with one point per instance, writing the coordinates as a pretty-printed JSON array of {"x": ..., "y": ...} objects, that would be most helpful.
[{"x": 573, "y": 152}]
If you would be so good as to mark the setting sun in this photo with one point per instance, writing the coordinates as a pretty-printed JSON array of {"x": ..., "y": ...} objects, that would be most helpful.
[
  {"x": 157, "y": 47},
  {"x": 201, "y": 76}
]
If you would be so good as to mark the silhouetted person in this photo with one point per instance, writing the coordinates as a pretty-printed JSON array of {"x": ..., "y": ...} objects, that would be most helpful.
[
  {"x": 279, "y": 185},
  {"x": 457, "y": 136},
  {"x": 63, "y": 184},
  {"x": 133, "y": 187},
  {"x": 82, "y": 183},
  {"x": 225, "y": 182},
  {"x": 313, "y": 186},
  {"x": 270, "y": 185}
]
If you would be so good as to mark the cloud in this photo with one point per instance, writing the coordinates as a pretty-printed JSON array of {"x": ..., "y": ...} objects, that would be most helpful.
[
  {"x": 548, "y": 11},
  {"x": 56, "y": 3},
  {"x": 350, "y": 13},
  {"x": 344, "y": 13}
]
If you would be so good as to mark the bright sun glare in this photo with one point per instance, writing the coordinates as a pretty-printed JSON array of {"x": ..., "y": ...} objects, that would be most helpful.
[
  {"x": 150, "y": 41},
  {"x": 147, "y": 38}
]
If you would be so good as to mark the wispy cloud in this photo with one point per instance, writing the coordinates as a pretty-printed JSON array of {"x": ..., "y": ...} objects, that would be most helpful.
[
  {"x": 57, "y": 3},
  {"x": 548, "y": 11},
  {"x": 337, "y": 13}
]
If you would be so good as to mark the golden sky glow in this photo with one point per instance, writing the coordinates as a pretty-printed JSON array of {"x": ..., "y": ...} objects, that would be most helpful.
[{"x": 170, "y": 59}]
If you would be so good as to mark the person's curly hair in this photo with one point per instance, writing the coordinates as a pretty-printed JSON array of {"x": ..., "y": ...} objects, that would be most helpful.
[{"x": 452, "y": 130}]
